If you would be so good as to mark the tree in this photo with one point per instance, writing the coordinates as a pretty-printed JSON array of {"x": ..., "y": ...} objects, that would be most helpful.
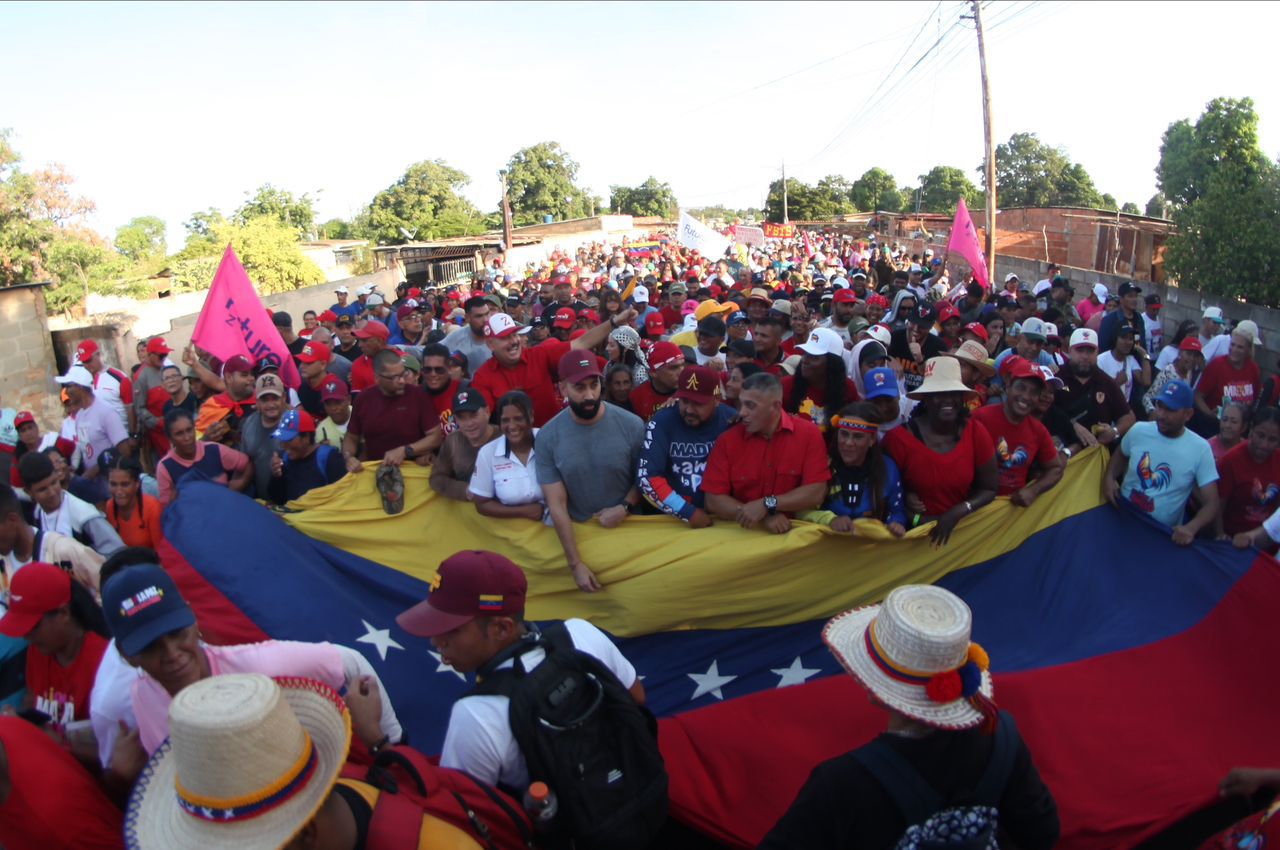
[
  {"x": 1131, "y": 208},
  {"x": 425, "y": 203},
  {"x": 336, "y": 228},
  {"x": 280, "y": 204},
  {"x": 268, "y": 249},
  {"x": 1156, "y": 206},
  {"x": 540, "y": 182},
  {"x": 804, "y": 202},
  {"x": 1228, "y": 238},
  {"x": 142, "y": 238},
  {"x": 1030, "y": 173},
  {"x": 1225, "y": 133},
  {"x": 943, "y": 187},
  {"x": 837, "y": 192},
  {"x": 1108, "y": 202},
  {"x": 649, "y": 198},
  {"x": 876, "y": 190}
]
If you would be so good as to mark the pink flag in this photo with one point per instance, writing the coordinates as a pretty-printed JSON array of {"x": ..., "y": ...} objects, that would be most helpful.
[
  {"x": 964, "y": 241},
  {"x": 233, "y": 321},
  {"x": 808, "y": 246}
]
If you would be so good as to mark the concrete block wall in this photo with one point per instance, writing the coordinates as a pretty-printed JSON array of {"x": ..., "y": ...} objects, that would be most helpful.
[{"x": 27, "y": 365}]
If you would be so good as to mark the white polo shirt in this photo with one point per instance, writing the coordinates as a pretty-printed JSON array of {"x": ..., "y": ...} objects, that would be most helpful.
[
  {"x": 500, "y": 475},
  {"x": 479, "y": 740}
]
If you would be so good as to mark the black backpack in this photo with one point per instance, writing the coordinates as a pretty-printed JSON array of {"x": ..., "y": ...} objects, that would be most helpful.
[
  {"x": 582, "y": 733},
  {"x": 931, "y": 823}
]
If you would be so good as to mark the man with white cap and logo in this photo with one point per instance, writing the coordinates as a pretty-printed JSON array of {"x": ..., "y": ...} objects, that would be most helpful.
[
  {"x": 98, "y": 426},
  {"x": 111, "y": 386},
  {"x": 949, "y": 767},
  {"x": 1212, "y": 324},
  {"x": 1090, "y": 398},
  {"x": 1094, "y": 302},
  {"x": 342, "y": 308}
]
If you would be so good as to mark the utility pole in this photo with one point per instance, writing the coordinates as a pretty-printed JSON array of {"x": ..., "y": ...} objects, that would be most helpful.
[
  {"x": 991, "y": 150},
  {"x": 506, "y": 213},
  {"x": 785, "y": 219}
]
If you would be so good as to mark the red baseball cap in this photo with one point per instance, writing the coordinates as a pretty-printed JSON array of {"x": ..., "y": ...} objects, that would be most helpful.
[
  {"x": 664, "y": 354},
  {"x": 1188, "y": 344},
  {"x": 36, "y": 590},
  {"x": 591, "y": 316},
  {"x": 947, "y": 311},
  {"x": 374, "y": 329},
  {"x": 415, "y": 292},
  {"x": 1021, "y": 368},
  {"x": 655, "y": 325},
  {"x": 578, "y": 365},
  {"x": 979, "y": 330},
  {"x": 699, "y": 383},
  {"x": 26, "y": 417},
  {"x": 844, "y": 296},
  {"x": 467, "y": 585},
  {"x": 327, "y": 316},
  {"x": 158, "y": 346},
  {"x": 314, "y": 352},
  {"x": 86, "y": 350},
  {"x": 564, "y": 318}
]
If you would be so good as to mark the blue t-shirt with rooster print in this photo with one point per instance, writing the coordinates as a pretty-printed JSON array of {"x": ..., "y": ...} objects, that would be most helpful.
[{"x": 1163, "y": 470}]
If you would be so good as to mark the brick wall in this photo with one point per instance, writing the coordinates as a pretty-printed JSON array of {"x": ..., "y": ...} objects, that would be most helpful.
[{"x": 26, "y": 355}]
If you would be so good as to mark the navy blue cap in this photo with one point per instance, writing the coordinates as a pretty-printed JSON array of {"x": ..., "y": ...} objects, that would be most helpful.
[
  {"x": 881, "y": 382},
  {"x": 141, "y": 605},
  {"x": 1176, "y": 395}
]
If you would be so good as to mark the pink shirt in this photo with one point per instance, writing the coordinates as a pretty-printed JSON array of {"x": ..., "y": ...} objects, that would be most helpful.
[
  {"x": 319, "y": 661},
  {"x": 232, "y": 462},
  {"x": 98, "y": 428}
]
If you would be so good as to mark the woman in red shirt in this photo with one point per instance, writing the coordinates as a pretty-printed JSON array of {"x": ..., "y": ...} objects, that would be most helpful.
[
  {"x": 1249, "y": 476},
  {"x": 135, "y": 517},
  {"x": 948, "y": 462},
  {"x": 67, "y": 634}
]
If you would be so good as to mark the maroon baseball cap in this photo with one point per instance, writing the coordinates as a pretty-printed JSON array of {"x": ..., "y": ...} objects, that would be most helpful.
[
  {"x": 700, "y": 384},
  {"x": 578, "y": 365},
  {"x": 467, "y": 585},
  {"x": 238, "y": 363},
  {"x": 333, "y": 388}
]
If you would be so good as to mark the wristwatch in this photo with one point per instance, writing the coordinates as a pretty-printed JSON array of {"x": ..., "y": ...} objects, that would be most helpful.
[
  {"x": 771, "y": 504},
  {"x": 408, "y": 451}
]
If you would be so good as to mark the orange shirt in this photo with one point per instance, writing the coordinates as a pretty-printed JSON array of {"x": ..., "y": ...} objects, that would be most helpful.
[{"x": 141, "y": 529}]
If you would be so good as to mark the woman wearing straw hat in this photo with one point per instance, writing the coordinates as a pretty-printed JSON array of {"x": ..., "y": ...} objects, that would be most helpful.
[
  {"x": 948, "y": 462},
  {"x": 948, "y": 757}
]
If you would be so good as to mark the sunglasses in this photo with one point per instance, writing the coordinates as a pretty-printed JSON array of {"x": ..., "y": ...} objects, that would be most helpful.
[{"x": 435, "y": 370}]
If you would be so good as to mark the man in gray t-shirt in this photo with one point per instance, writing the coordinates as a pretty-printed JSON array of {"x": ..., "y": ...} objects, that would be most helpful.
[
  {"x": 256, "y": 429},
  {"x": 469, "y": 339},
  {"x": 586, "y": 459}
]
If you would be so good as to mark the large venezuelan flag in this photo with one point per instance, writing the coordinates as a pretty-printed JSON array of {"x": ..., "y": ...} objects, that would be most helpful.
[{"x": 1136, "y": 668}]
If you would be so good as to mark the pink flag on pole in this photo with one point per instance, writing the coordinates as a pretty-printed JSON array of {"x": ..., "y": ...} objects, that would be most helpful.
[
  {"x": 964, "y": 241},
  {"x": 233, "y": 321},
  {"x": 808, "y": 246}
]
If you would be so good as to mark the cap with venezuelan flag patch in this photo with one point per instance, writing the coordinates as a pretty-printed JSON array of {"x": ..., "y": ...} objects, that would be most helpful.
[{"x": 467, "y": 585}]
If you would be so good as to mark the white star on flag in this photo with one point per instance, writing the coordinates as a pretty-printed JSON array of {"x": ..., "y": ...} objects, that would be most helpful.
[
  {"x": 796, "y": 674},
  {"x": 380, "y": 638},
  {"x": 710, "y": 682},
  {"x": 441, "y": 667}
]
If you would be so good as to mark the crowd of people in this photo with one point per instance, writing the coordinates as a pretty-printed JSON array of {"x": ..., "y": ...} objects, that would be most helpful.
[{"x": 826, "y": 380}]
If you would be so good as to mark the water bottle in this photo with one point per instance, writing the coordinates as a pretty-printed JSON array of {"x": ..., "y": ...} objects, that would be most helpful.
[{"x": 540, "y": 803}]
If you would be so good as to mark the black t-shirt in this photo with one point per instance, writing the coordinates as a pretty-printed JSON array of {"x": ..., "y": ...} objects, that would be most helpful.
[
  {"x": 305, "y": 475},
  {"x": 842, "y": 805},
  {"x": 900, "y": 348},
  {"x": 310, "y": 399},
  {"x": 351, "y": 352},
  {"x": 295, "y": 347},
  {"x": 1096, "y": 401}
]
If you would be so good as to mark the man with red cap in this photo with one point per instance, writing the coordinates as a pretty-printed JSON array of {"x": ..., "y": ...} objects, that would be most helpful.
[
  {"x": 843, "y": 306},
  {"x": 677, "y": 443},
  {"x": 1022, "y": 442},
  {"x": 220, "y": 416},
  {"x": 110, "y": 385},
  {"x": 586, "y": 459},
  {"x": 515, "y": 366},
  {"x": 313, "y": 363},
  {"x": 150, "y": 374},
  {"x": 474, "y": 613},
  {"x": 666, "y": 361},
  {"x": 373, "y": 338}
]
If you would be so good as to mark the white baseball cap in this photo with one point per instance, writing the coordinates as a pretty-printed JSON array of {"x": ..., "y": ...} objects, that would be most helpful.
[
  {"x": 823, "y": 341},
  {"x": 499, "y": 325},
  {"x": 1010, "y": 276},
  {"x": 640, "y": 295},
  {"x": 1084, "y": 338},
  {"x": 880, "y": 334},
  {"x": 1034, "y": 327},
  {"x": 1249, "y": 329},
  {"x": 76, "y": 375},
  {"x": 1214, "y": 313},
  {"x": 342, "y": 290},
  {"x": 375, "y": 301},
  {"x": 1050, "y": 378},
  {"x": 1100, "y": 291}
]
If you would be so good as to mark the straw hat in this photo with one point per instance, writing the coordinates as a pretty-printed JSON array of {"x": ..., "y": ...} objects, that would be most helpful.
[
  {"x": 941, "y": 375},
  {"x": 913, "y": 652},
  {"x": 248, "y": 763},
  {"x": 975, "y": 354}
]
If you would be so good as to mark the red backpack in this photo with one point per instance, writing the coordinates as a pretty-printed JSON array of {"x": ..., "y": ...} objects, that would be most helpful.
[{"x": 411, "y": 785}]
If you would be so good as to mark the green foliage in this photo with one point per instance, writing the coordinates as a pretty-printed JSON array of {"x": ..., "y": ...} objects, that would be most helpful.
[
  {"x": 876, "y": 190},
  {"x": 336, "y": 228},
  {"x": 1225, "y": 133},
  {"x": 426, "y": 202},
  {"x": 269, "y": 251},
  {"x": 1156, "y": 206},
  {"x": 725, "y": 214},
  {"x": 279, "y": 204},
  {"x": 649, "y": 198},
  {"x": 1108, "y": 202},
  {"x": 1228, "y": 239},
  {"x": 908, "y": 196},
  {"x": 22, "y": 234},
  {"x": 1131, "y": 208},
  {"x": 943, "y": 187},
  {"x": 1030, "y": 173},
  {"x": 142, "y": 238},
  {"x": 195, "y": 273},
  {"x": 541, "y": 181}
]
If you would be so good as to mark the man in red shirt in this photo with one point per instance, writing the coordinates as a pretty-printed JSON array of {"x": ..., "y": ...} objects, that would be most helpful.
[
  {"x": 373, "y": 338},
  {"x": 768, "y": 465},
  {"x": 1020, "y": 439},
  {"x": 439, "y": 386},
  {"x": 1235, "y": 377},
  {"x": 666, "y": 362},
  {"x": 671, "y": 315},
  {"x": 396, "y": 424},
  {"x": 514, "y": 366}
]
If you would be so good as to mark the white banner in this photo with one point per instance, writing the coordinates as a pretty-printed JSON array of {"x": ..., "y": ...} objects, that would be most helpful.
[
  {"x": 695, "y": 234},
  {"x": 745, "y": 235}
]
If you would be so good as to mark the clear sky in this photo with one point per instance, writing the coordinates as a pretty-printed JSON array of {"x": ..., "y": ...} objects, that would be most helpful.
[{"x": 164, "y": 109}]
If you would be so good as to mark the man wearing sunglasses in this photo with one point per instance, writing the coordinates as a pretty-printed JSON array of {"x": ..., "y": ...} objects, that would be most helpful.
[{"x": 394, "y": 422}]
